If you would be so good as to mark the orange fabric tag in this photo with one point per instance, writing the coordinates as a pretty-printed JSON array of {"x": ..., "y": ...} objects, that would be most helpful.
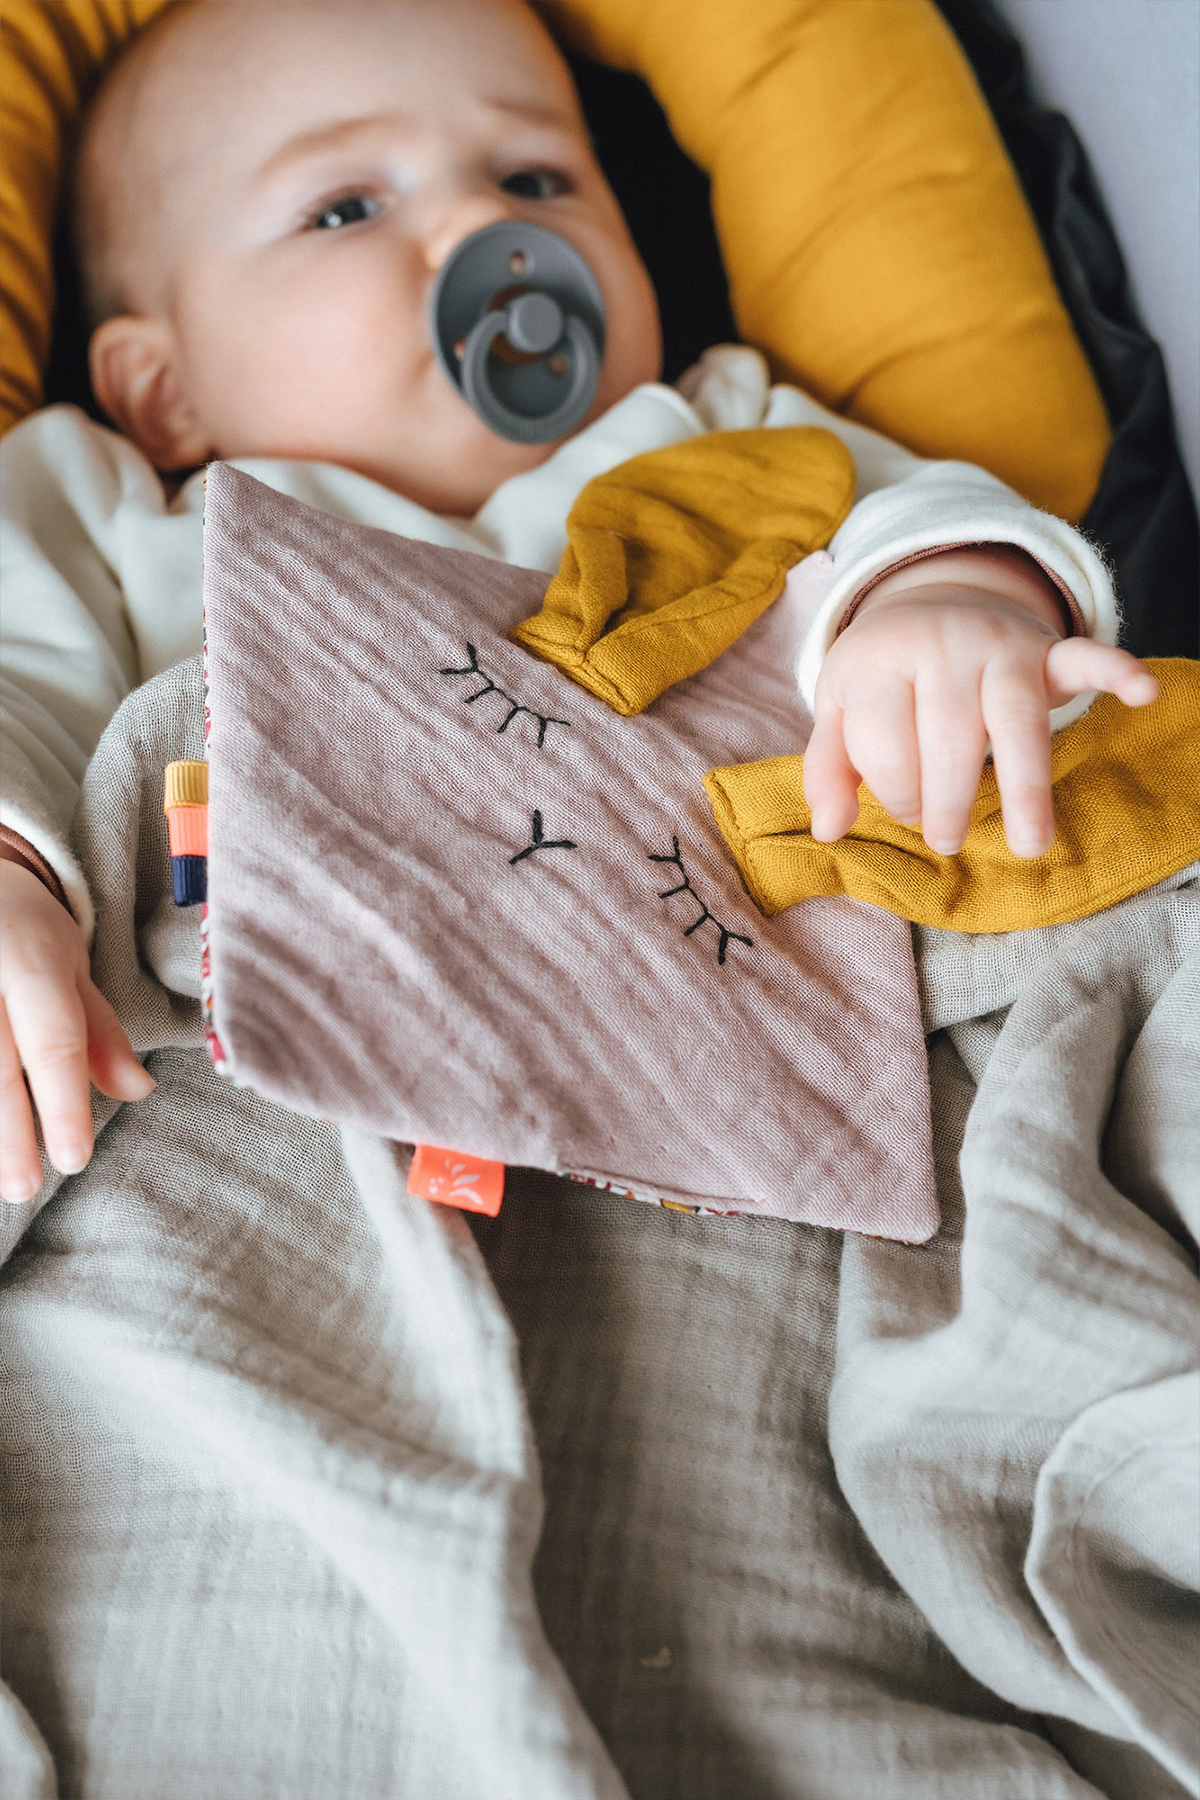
[{"x": 454, "y": 1179}]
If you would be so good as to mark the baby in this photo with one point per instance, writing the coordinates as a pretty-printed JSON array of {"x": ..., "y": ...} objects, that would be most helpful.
[{"x": 265, "y": 193}]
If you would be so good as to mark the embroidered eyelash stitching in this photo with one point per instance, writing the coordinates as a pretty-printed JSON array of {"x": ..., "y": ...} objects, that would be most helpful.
[
  {"x": 514, "y": 706},
  {"x": 685, "y": 887},
  {"x": 541, "y": 842}
]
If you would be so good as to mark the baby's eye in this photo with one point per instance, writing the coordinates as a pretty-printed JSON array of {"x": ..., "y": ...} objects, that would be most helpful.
[
  {"x": 350, "y": 210},
  {"x": 536, "y": 184}
]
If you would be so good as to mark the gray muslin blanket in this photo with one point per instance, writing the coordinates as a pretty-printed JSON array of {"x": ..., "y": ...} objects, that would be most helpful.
[{"x": 314, "y": 1492}]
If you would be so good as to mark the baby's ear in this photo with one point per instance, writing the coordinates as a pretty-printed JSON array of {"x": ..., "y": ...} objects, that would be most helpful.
[{"x": 136, "y": 380}]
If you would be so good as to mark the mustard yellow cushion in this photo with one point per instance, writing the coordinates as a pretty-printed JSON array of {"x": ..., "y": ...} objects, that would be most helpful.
[
  {"x": 878, "y": 246},
  {"x": 50, "y": 53},
  {"x": 1125, "y": 786}
]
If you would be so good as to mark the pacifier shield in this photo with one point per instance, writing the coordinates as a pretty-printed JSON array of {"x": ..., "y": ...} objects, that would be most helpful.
[{"x": 517, "y": 321}]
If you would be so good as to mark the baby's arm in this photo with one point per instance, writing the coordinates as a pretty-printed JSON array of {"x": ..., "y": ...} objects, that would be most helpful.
[
  {"x": 57, "y": 1026},
  {"x": 942, "y": 657},
  {"x": 69, "y": 658},
  {"x": 957, "y": 614}
]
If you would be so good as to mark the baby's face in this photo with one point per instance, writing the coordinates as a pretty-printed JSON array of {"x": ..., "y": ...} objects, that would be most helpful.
[{"x": 306, "y": 167}]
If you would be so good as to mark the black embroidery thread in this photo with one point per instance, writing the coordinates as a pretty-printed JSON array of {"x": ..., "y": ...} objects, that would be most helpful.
[
  {"x": 541, "y": 842},
  {"x": 726, "y": 937},
  {"x": 514, "y": 706}
]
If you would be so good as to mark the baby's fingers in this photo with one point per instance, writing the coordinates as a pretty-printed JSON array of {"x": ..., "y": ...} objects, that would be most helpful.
[
  {"x": 1080, "y": 665},
  {"x": 1018, "y": 722},
  {"x": 50, "y": 1031},
  {"x": 830, "y": 778},
  {"x": 881, "y": 740},
  {"x": 953, "y": 744},
  {"x": 20, "y": 1164},
  {"x": 115, "y": 1070}
]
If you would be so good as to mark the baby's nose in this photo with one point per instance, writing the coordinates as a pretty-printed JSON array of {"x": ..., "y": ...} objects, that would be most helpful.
[{"x": 457, "y": 219}]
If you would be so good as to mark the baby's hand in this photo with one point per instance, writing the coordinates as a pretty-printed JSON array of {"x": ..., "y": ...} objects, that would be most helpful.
[
  {"x": 57, "y": 1025},
  {"x": 942, "y": 657}
]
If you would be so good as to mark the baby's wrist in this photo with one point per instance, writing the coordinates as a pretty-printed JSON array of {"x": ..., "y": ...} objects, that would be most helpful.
[
  {"x": 9, "y": 853},
  {"x": 995, "y": 571},
  {"x": 15, "y": 849}
]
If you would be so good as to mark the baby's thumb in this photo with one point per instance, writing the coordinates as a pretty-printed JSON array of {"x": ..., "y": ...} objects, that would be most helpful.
[
  {"x": 112, "y": 1065},
  {"x": 1080, "y": 665}
]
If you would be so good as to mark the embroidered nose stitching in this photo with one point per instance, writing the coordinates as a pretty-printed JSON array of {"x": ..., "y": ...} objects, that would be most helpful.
[{"x": 541, "y": 842}]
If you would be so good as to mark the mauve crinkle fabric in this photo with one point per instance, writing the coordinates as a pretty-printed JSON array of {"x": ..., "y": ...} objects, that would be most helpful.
[{"x": 456, "y": 900}]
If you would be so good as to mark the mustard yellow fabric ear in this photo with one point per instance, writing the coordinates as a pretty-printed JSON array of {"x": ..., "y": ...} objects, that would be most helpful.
[
  {"x": 50, "y": 54},
  {"x": 1125, "y": 786},
  {"x": 670, "y": 556},
  {"x": 878, "y": 247}
]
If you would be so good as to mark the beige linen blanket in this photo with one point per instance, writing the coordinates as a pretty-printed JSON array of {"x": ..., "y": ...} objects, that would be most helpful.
[{"x": 310, "y": 1492}]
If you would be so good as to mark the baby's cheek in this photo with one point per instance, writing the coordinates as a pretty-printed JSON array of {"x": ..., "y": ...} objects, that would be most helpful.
[
  {"x": 634, "y": 350},
  {"x": 306, "y": 375}
]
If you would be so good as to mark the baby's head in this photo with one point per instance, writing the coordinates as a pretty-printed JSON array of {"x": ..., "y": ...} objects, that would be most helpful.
[{"x": 266, "y": 190}]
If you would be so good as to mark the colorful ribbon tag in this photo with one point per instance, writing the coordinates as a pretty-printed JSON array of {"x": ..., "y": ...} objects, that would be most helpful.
[{"x": 185, "y": 802}]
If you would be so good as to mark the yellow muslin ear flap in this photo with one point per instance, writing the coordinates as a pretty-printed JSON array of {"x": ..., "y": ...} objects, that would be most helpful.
[
  {"x": 1125, "y": 785},
  {"x": 50, "y": 54},
  {"x": 670, "y": 556},
  {"x": 878, "y": 246}
]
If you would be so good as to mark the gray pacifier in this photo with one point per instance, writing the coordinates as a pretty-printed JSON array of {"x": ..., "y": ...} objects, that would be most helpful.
[{"x": 518, "y": 324}]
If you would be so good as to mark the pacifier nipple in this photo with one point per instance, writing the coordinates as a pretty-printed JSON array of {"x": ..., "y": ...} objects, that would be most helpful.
[{"x": 518, "y": 325}]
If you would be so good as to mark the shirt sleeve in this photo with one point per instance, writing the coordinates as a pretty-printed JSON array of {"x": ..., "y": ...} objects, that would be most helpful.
[{"x": 68, "y": 656}]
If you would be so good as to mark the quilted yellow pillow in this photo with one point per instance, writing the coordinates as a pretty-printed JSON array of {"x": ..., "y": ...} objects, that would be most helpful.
[
  {"x": 878, "y": 246},
  {"x": 50, "y": 54}
]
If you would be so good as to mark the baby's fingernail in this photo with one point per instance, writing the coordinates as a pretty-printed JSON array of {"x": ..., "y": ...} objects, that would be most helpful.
[
  {"x": 19, "y": 1189},
  {"x": 1031, "y": 846},
  {"x": 946, "y": 846},
  {"x": 72, "y": 1157}
]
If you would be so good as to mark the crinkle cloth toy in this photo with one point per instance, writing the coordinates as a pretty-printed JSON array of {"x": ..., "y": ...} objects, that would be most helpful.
[{"x": 458, "y": 900}]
